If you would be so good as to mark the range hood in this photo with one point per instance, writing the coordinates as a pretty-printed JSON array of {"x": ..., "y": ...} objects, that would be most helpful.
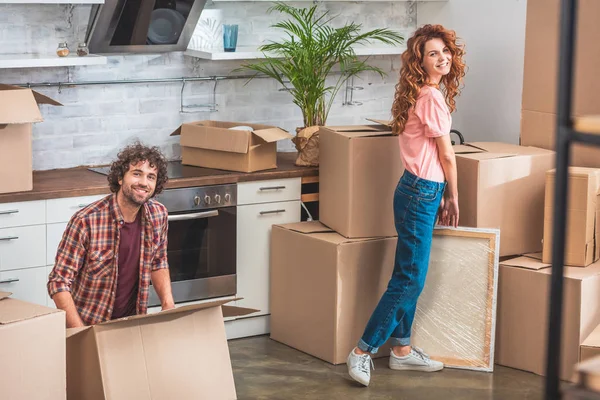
[{"x": 142, "y": 26}]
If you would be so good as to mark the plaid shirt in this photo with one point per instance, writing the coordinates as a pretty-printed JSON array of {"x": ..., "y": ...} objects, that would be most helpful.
[{"x": 87, "y": 259}]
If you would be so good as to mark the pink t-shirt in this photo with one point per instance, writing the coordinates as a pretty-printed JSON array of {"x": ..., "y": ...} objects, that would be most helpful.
[{"x": 429, "y": 119}]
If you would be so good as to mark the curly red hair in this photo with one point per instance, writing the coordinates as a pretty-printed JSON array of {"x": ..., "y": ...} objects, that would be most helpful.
[{"x": 413, "y": 77}]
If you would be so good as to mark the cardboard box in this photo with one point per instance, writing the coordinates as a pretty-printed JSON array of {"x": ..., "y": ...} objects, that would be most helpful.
[
  {"x": 176, "y": 354},
  {"x": 359, "y": 169},
  {"x": 501, "y": 186},
  {"x": 18, "y": 110},
  {"x": 32, "y": 350},
  {"x": 540, "y": 83},
  {"x": 212, "y": 144},
  {"x": 581, "y": 247},
  {"x": 522, "y": 315},
  {"x": 590, "y": 347},
  {"x": 324, "y": 288}
]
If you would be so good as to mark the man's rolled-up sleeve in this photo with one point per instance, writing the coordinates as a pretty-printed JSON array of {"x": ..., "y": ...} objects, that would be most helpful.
[{"x": 69, "y": 257}]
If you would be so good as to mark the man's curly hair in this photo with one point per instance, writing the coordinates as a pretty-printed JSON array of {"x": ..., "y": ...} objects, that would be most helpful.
[{"x": 133, "y": 154}]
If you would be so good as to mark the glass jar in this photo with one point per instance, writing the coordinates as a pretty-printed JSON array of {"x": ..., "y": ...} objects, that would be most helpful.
[
  {"x": 62, "y": 50},
  {"x": 82, "y": 50}
]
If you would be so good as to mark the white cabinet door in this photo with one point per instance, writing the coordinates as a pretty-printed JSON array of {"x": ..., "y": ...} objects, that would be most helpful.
[
  {"x": 253, "y": 242},
  {"x": 22, "y": 213},
  {"x": 22, "y": 247},
  {"x": 27, "y": 284},
  {"x": 61, "y": 210},
  {"x": 54, "y": 233}
]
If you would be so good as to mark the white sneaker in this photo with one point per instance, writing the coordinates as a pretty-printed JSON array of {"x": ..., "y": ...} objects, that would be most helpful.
[
  {"x": 359, "y": 367},
  {"x": 416, "y": 360}
]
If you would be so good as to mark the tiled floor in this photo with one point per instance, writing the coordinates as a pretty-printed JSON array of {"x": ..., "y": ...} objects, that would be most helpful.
[{"x": 265, "y": 369}]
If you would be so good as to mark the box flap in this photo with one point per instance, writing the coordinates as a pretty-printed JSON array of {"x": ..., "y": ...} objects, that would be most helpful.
[
  {"x": 12, "y": 310},
  {"x": 19, "y": 107},
  {"x": 465, "y": 149},
  {"x": 307, "y": 227},
  {"x": 488, "y": 156},
  {"x": 177, "y": 310},
  {"x": 579, "y": 171},
  {"x": 75, "y": 331},
  {"x": 205, "y": 136},
  {"x": 234, "y": 311},
  {"x": 4, "y": 295},
  {"x": 525, "y": 262},
  {"x": 537, "y": 256},
  {"x": 39, "y": 98},
  {"x": 272, "y": 134},
  {"x": 381, "y": 122},
  {"x": 593, "y": 340}
]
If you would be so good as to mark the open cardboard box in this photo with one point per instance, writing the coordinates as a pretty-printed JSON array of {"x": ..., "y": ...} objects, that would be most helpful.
[
  {"x": 176, "y": 354},
  {"x": 212, "y": 144},
  {"x": 501, "y": 185},
  {"x": 32, "y": 351},
  {"x": 359, "y": 169},
  {"x": 18, "y": 111}
]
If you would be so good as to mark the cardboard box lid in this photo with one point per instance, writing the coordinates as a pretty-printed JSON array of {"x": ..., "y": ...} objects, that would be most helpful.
[
  {"x": 39, "y": 98},
  {"x": 579, "y": 172},
  {"x": 380, "y": 128},
  {"x": 525, "y": 262},
  {"x": 12, "y": 311},
  {"x": 319, "y": 231},
  {"x": 220, "y": 137},
  {"x": 531, "y": 263},
  {"x": 228, "y": 311},
  {"x": 593, "y": 340},
  {"x": 494, "y": 150}
]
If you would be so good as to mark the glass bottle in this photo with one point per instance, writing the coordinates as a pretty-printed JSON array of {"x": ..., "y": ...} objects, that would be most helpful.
[
  {"x": 82, "y": 50},
  {"x": 62, "y": 50}
]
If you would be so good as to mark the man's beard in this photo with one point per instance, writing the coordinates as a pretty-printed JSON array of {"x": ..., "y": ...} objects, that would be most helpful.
[{"x": 130, "y": 195}]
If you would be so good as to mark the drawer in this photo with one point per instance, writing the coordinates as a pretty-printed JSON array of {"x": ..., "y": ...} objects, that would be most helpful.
[
  {"x": 22, "y": 214},
  {"x": 269, "y": 191},
  {"x": 22, "y": 247},
  {"x": 26, "y": 284},
  {"x": 54, "y": 233},
  {"x": 61, "y": 210}
]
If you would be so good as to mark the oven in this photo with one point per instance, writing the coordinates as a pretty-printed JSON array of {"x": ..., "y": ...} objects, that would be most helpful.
[{"x": 201, "y": 246}]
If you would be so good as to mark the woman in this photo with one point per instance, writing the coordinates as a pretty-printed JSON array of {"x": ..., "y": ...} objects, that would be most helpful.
[{"x": 427, "y": 191}]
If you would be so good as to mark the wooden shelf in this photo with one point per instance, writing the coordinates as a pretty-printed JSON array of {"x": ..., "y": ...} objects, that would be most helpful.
[
  {"x": 249, "y": 53},
  {"x": 51, "y": 1},
  {"x": 48, "y": 60},
  {"x": 587, "y": 124}
]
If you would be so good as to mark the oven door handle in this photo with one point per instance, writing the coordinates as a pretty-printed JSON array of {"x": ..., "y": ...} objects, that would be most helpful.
[{"x": 183, "y": 217}]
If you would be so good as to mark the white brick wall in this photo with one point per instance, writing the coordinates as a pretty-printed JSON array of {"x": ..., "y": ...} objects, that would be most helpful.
[{"x": 97, "y": 120}]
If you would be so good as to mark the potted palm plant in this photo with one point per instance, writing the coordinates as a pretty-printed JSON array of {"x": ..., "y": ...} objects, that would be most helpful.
[{"x": 310, "y": 51}]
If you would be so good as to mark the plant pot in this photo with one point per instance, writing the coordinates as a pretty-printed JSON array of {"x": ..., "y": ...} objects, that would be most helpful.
[{"x": 307, "y": 144}]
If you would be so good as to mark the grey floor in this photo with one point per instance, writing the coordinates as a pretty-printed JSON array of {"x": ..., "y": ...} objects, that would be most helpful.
[{"x": 265, "y": 369}]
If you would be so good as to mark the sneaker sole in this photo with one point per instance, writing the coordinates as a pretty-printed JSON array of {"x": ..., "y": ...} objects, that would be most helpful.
[
  {"x": 415, "y": 368},
  {"x": 358, "y": 379}
]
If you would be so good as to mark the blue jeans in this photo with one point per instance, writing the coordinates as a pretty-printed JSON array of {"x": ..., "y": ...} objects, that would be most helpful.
[{"x": 416, "y": 203}]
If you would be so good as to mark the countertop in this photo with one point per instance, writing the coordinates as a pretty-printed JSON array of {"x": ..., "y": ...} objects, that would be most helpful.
[{"x": 80, "y": 181}]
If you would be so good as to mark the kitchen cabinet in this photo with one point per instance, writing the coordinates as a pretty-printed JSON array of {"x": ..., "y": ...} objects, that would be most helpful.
[
  {"x": 27, "y": 284},
  {"x": 261, "y": 204}
]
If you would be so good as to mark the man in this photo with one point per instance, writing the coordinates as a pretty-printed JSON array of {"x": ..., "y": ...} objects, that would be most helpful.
[{"x": 113, "y": 248}]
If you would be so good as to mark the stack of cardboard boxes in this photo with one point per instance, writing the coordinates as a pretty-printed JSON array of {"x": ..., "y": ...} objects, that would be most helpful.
[{"x": 327, "y": 276}]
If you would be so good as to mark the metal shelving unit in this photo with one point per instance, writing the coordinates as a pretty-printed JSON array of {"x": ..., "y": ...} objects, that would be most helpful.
[{"x": 569, "y": 130}]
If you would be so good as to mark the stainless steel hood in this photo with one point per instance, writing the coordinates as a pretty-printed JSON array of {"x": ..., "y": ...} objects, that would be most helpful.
[{"x": 142, "y": 26}]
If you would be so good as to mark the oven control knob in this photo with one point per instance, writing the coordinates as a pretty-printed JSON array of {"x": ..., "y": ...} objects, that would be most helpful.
[
  {"x": 207, "y": 199},
  {"x": 218, "y": 198},
  {"x": 227, "y": 197},
  {"x": 197, "y": 200}
]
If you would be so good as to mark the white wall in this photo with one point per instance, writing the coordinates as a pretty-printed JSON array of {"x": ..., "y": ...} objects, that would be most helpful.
[{"x": 489, "y": 108}]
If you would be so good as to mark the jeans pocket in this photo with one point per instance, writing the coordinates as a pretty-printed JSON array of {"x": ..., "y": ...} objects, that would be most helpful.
[
  {"x": 421, "y": 192},
  {"x": 402, "y": 202}
]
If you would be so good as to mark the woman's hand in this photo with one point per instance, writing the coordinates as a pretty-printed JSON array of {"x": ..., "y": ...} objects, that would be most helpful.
[{"x": 449, "y": 213}]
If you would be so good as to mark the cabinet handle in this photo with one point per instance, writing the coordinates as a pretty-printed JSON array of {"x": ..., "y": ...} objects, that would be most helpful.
[
  {"x": 8, "y": 212},
  {"x": 81, "y": 205},
  {"x": 10, "y": 280},
  {"x": 9, "y": 238},
  {"x": 271, "y": 188},
  {"x": 271, "y": 212}
]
